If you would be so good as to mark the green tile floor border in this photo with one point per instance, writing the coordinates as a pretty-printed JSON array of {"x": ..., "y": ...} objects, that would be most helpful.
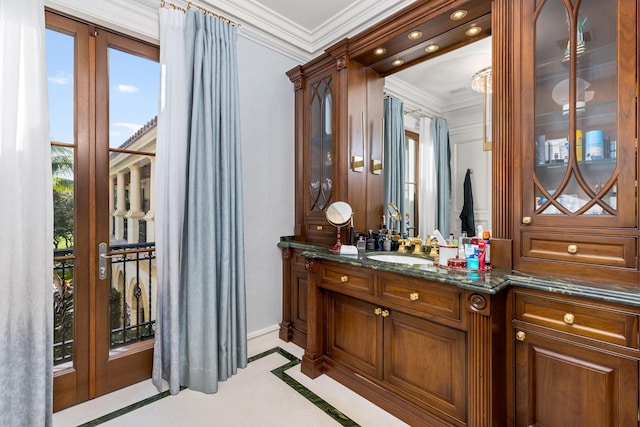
[{"x": 278, "y": 372}]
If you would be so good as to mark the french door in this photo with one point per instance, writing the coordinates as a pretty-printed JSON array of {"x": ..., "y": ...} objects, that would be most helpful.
[{"x": 103, "y": 96}]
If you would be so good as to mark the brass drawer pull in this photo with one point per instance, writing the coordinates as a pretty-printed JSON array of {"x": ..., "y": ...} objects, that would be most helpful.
[
  {"x": 385, "y": 313},
  {"x": 572, "y": 249},
  {"x": 569, "y": 319},
  {"x": 521, "y": 336},
  {"x": 319, "y": 228},
  {"x": 526, "y": 220},
  {"x": 377, "y": 311},
  {"x": 413, "y": 296},
  {"x": 344, "y": 279}
]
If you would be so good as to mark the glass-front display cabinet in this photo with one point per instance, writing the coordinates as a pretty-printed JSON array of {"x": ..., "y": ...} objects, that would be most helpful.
[
  {"x": 579, "y": 120},
  {"x": 583, "y": 124}
]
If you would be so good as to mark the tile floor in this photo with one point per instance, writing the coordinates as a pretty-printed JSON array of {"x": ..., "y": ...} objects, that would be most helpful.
[{"x": 271, "y": 391}]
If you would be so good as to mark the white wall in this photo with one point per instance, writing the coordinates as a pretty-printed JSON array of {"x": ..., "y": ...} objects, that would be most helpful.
[{"x": 266, "y": 117}]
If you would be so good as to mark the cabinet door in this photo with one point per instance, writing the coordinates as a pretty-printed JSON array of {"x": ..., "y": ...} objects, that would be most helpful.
[
  {"x": 354, "y": 334},
  {"x": 579, "y": 113},
  {"x": 318, "y": 155},
  {"x": 562, "y": 384},
  {"x": 427, "y": 362}
]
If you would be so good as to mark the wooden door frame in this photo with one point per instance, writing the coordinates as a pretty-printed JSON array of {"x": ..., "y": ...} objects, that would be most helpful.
[
  {"x": 112, "y": 372},
  {"x": 94, "y": 371},
  {"x": 72, "y": 385}
]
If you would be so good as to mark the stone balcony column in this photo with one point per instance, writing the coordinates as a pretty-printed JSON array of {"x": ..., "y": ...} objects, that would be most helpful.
[
  {"x": 149, "y": 217},
  {"x": 135, "y": 205},
  {"x": 121, "y": 206},
  {"x": 112, "y": 202}
]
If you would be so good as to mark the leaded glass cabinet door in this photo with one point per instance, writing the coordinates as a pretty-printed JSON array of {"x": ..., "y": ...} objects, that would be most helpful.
[
  {"x": 582, "y": 130},
  {"x": 321, "y": 145},
  {"x": 319, "y": 179}
]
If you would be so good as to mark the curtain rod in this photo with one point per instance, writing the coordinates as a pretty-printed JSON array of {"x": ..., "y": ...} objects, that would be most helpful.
[
  {"x": 411, "y": 111},
  {"x": 200, "y": 8}
]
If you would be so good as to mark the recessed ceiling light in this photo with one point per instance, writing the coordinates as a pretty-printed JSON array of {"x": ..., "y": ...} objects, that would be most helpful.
[
  {"x": 473, "y": 30},
  {"x": 379, "y": 51},
  {"x": 458, "y": 14},
  {"x": 397, "y": 62},
  {"x": 414, "y": 35},
  {"x": 432, "y": 48}
]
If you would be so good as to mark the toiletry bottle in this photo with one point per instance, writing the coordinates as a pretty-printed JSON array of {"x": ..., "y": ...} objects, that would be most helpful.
[
  {"x": 482, "y": 246},
  {"x": 362, "y": 245},
  {"x": 371, "y": 241},
  {"x": 486, "y": 236}
]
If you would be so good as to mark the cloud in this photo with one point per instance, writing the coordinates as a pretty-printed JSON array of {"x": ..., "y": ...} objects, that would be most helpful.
[
  {"x": 132, "y": 127},
  {"x": 127, "y": 89},
  {"x": 61, "y": 78}
]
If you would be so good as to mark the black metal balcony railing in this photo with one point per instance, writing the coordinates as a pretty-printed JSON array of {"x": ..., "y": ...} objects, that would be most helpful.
[
  {"x": 63, "y": 305},
  {"x": 131, "y": 305},
  {"x": 132, "y": 319}
]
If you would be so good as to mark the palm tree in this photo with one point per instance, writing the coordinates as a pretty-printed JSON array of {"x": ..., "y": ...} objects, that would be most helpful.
[
  {"x": 62, "y": 168},
  {"x": 62, "y": 174}
]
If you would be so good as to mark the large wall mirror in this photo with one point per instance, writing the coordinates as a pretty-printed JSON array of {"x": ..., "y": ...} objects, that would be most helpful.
[{"x": 442, "y": 88}]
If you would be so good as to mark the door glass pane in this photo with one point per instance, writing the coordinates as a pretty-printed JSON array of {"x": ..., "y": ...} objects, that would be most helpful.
[
  {"x": 133, "y": 108},
  {"x": 60, "y": 69}
]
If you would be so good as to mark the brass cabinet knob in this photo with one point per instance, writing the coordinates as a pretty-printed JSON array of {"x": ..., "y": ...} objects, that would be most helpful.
[
  {"x": 521, "y": 336},
  {"x": 344, "y": 279},
  {"x": 526, "y": 220},
  {"x": 569, "y": 318},
  {"x": 572, "y": 249},
  {"x": 377, "y": 311},
  {"x": 319, "y": 228},
  {"x": 413, "y": 296},
  {"x": 385, "y": 313}
]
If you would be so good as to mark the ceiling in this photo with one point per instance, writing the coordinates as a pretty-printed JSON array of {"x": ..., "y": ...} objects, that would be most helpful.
[{"x": 444, "y": 80}]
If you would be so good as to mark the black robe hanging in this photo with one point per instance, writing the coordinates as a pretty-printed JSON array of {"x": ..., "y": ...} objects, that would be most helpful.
[{"x": 468, "y": 223}]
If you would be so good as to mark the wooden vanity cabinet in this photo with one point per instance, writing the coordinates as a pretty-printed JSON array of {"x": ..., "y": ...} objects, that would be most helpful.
[
  {"x": 419, "y": 349},
  {"x": 338, "y": 129},
  {"x": 575, "y": 361},
  {"x": 576, "y": 205},
  {"x": 294, "y": 298}
]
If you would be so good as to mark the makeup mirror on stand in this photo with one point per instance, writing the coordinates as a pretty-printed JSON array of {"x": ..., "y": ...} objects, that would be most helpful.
[{"x": 340, "y": 214}]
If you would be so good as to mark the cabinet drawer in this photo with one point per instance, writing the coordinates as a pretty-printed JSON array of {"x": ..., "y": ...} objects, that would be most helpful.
[
  {"x": 422, "y": 295},
  {"x": 595, "y": 322},
  {"x": 345, "y": 278},
  {"x": 611, "y": 251}
]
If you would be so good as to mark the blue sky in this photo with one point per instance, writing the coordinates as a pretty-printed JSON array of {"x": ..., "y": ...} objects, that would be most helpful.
[{"x": 133, "y": 90}]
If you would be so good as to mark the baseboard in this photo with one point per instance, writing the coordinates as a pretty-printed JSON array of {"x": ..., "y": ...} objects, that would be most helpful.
[{"x": 263, "y": 339}]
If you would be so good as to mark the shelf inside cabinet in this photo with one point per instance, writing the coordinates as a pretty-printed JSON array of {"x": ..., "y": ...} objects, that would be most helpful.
[{"x": 555, "y": 67}]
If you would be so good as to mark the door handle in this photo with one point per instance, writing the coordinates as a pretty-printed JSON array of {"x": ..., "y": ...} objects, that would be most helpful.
[{"x": 102, "y": 261}]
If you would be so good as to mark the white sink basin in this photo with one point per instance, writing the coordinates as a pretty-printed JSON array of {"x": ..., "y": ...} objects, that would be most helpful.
[{"x": 400, "y": 259}]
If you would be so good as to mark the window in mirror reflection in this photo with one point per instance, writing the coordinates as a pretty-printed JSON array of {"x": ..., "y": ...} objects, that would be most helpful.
[{"x": 411, "y": 183}]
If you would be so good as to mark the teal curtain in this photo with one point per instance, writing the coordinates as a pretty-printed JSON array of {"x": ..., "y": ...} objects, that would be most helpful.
[
  {"x": 213, "y": 311},
  {"x": 209, "y": 297},
  {"x": 395, "y": 160},
  {"x": 440, "y": 133}
]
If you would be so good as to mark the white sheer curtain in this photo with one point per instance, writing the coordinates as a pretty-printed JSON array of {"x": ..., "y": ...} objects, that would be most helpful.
[
  {"x": 428, "y": 191},
  {"x": 26, "y": 305},
  {"x": 171, "y": 181}
]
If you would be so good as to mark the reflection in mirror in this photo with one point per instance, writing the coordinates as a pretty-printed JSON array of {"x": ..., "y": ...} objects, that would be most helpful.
[{"x": 440, "y": 88}]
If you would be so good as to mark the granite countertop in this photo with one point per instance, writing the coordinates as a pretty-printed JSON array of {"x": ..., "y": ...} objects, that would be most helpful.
[{"x": 490, "y": 282}]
